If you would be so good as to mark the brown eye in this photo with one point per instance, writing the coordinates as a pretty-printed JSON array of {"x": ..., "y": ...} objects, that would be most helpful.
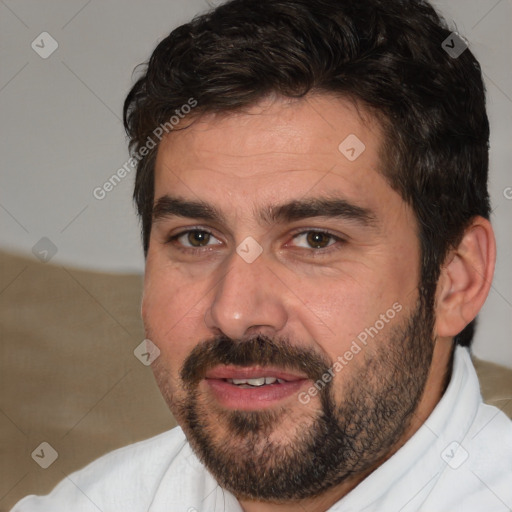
[
  {"x": 195, "y": 241},
  {"x": 318, "y": 240},
  {"x": 198, "y": 238}
]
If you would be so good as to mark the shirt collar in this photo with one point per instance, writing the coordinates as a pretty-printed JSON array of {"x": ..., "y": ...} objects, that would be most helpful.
[{"x": 412, "y": 471}]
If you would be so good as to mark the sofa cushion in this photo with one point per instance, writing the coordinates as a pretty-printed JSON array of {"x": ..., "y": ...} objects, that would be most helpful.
[{"x": 68, "y": 373}]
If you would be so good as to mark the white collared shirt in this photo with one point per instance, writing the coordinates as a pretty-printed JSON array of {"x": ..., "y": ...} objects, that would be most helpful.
[{"x": 460, "y": 460}]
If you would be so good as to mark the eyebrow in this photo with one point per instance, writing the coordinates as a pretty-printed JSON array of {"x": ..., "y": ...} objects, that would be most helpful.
[
  {"x": 166, "y": 207},
  {"x": 319, "y": 207}
]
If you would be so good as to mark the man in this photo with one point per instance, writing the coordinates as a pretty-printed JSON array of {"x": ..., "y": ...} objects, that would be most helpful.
[{"x": 312, "y": 184}]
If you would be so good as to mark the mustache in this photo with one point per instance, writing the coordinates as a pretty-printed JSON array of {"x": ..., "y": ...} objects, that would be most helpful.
[{"x": 257, "y": 351}]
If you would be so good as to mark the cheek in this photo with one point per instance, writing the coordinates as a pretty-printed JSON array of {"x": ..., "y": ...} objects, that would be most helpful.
[
  {"x": 168, "y": 294},
  {"x": 343, "y": 308},
  {"x": 340, "y": 302},
  {"x": 333, "y": 313},
  {"x": 171, "y": 314}
]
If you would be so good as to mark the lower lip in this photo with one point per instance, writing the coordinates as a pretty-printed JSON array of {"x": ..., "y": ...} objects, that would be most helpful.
[{"x": 231, "y": 396}]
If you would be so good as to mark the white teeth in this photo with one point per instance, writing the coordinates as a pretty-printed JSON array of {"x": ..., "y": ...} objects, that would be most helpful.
[
  {"x": 260, "y": 381},
  {"x": 256, "y": 382}
]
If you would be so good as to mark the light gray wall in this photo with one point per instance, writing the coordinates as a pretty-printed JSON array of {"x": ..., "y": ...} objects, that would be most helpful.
[{"x": 61, "y": 133}]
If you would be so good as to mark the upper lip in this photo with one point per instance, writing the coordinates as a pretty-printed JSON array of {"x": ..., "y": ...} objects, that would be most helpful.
[{"x": 252, "y": 372}]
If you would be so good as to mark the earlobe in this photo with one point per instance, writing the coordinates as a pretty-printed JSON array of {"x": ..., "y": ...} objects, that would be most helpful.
[{"x": 465, "y": 279}]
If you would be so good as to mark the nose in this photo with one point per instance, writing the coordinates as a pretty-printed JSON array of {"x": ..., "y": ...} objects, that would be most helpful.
[{"x": 248, "y": 300}]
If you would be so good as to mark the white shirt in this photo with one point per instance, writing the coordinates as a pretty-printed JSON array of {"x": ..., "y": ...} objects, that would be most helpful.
[{"x": 460, "y": 460}]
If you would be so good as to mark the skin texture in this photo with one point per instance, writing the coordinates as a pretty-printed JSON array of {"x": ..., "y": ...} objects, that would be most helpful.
[{"x": 302, "y": 299}]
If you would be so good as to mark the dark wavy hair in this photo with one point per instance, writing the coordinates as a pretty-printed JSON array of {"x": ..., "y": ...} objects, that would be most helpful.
[{"x": 387, "y": 55}]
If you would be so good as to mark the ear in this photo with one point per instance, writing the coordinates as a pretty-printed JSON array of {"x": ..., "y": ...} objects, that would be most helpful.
[{"x": 465, "y": 279}]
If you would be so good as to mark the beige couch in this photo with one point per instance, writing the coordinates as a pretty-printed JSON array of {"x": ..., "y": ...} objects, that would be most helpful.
[{"x": 68, "y": 375}]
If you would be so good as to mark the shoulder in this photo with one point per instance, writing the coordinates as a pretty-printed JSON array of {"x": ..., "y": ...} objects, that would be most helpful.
[
  {"x": 125, "y": 479},
  {"x": 490, "y": 447},
  {"x": 478, "y": 475}
]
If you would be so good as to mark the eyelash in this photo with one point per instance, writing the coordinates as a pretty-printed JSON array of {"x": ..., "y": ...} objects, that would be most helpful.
[{"x": 317, "y": 252}]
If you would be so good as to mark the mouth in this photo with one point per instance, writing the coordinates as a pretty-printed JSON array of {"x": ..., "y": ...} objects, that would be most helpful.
[
  {"x": 252, "y": 388},
  {"x": 255, "y": 383}
]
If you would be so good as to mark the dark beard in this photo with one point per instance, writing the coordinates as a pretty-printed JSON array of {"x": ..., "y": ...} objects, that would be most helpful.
[{"x": 341, "y": 441}]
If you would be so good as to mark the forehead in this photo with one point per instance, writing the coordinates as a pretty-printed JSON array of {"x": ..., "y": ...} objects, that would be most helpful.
[{"x": 276, "y": 150}]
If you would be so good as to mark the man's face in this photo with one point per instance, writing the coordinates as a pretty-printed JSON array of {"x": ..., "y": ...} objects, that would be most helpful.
[{"x": 277, "y": 254}]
